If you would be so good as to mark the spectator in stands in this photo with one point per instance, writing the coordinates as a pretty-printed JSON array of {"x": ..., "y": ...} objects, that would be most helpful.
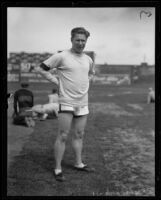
[
  {"x": 23, "y": 100},
  {"x": 75, "y": 70}
]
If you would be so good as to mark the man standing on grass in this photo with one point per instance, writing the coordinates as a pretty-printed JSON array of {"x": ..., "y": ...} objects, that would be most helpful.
[{"x": 75, "y": 69}]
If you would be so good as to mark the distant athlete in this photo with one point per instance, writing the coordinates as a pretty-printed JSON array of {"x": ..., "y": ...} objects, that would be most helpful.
[
  {"x": 151, "y": 96},
  {"x": 75, "y": 69},
  {"x": 23, "y": 100}
]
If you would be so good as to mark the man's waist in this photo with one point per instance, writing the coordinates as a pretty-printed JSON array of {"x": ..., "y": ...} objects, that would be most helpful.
[{"x": 72, "y": 102}]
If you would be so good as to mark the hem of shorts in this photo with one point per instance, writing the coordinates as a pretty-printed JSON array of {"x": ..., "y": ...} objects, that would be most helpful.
[
  {"x": 80, "y": 115},
  {"x": 72, "y": 112},
  {"x": 71, "y": 104}
]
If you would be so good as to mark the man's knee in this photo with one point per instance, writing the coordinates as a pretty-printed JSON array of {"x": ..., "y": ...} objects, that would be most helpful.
[
  {"x": 79, "y": 134},
  {"x": 63, "y": 134}
]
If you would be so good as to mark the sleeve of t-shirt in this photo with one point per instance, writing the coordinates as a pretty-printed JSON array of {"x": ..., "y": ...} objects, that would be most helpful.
[{"x": 54, "y": 61}]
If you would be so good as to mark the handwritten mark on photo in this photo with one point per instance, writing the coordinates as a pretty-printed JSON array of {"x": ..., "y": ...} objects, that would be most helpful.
[{"x": 147, "y": 13}]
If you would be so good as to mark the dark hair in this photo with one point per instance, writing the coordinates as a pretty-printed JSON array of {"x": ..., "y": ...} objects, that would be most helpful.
[
  {"x": 80, "y": 30},
  {"x": 54, "y": 90}
]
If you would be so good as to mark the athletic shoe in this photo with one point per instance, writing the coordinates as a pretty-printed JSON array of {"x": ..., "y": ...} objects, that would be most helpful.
[
  {"x": 85, "y": 168},
  {"x": 59, "y": 177}
]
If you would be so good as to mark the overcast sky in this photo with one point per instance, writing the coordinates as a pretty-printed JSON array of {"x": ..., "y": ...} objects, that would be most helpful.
[{"x": 118, "y": 35}]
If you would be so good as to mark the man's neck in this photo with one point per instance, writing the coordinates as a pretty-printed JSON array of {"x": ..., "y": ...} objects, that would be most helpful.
[{"x": 77, "y": 53}]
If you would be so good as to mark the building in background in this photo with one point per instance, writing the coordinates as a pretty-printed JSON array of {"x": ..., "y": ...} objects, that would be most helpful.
[{"x": 22, "y": 65}]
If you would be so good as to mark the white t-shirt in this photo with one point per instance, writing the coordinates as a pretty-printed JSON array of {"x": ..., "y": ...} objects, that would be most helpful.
[{"x": 74, "y": 71}]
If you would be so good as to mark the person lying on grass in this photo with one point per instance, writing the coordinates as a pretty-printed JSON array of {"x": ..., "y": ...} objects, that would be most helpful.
[{"x": 48, "y": 110}]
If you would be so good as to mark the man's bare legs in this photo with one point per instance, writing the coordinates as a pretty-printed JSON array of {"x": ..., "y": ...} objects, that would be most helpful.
[
  {"x": 77, "y": 142},
  {"x": 64, "y": 121}
]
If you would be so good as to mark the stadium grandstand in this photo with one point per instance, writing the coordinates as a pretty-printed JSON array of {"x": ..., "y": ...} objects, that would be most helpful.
[{"x": 22, "y": 65}]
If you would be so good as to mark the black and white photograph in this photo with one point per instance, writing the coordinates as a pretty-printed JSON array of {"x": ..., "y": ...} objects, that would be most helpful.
[{"x": 81, "y": 101}]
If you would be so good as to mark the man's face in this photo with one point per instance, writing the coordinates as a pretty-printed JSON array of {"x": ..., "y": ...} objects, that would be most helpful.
[{"x": 78, "y": 42}]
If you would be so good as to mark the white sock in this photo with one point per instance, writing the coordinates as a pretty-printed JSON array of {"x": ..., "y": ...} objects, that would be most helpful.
[
  {"x": 58, "y": 171},
  {"x": 80, "y": 165}
]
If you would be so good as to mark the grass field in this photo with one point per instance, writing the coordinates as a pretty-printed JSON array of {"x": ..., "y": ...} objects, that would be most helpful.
[{"x": 119, "y": 143}]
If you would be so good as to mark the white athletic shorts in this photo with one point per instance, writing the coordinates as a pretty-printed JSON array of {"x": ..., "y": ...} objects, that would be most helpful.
[{"x": 75, "y": 110}]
